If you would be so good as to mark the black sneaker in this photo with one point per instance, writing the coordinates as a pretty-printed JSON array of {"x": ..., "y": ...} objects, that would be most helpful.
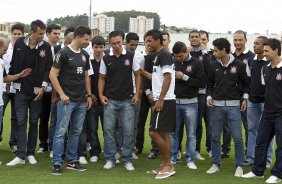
[
  {"x": 75, "y": 166},
  {"x": 56, "y": 170}
]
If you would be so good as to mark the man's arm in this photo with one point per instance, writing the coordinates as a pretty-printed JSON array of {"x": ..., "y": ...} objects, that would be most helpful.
[
  {"x": 101, "y": 85},
  {"x": 55, "y": 82},
  {"x": 137, "y": 85},
  {"x": 88, "y": 90}
]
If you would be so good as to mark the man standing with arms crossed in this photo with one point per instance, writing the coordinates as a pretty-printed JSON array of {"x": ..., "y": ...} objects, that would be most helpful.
[{"x": 164, "y": 106}]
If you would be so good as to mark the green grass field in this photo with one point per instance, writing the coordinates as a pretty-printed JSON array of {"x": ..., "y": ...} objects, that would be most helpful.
[{"x": 95, "y": 174}]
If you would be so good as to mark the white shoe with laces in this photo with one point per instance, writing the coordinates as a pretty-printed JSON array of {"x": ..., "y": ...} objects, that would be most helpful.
[
  {"x": 129, "y": 166},
  {"x": 31, "y": 159},
  {"x": 51, "y": 154},
  {"x": 251, "y": 175},
  {"x": 82, "y": 160},
  {"x": 239, "y": 172},
  {"x": 191, "y": 165},
  {"x": 199, "y": 156},
  {"x": 134, "y": 156},
  {"x": 214, "y": 168},
  {"x": 108, "y": 165},
  {"x": 273, "y": 179},
  {"x": 16, "y": 161},
  {"x": 94, "y": 159}
]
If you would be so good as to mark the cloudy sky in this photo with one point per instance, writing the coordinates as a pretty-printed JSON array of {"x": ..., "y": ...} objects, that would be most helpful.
[{"x": 211, "y": 15}]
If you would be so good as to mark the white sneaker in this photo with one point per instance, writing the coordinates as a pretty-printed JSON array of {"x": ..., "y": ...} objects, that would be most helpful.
[
  {"x": 117, "y": 156},
  {"x": 88, "y": 147},
  {"x": 251, "y": 175},
  {"x": 214, "y": 168},
  {"x": 178, "y": 157},
  {"x": 273, "y": 179},
  {"x": 210, "y": 154},
  {"x": 239, "y": 172},
  {"x": 268, "y": 166},
  {"x": 14, "y": 148},
  {"x": 82, "y": 160},
  {"x": 172, "y": 162},
  {"x": 16, "y": 161},
  {"x": 199, "y": 156},
  {"x": 108, "y": 165},
  {"x": 129, "y": 166},
  {"x": 51, "y": 154},
  {"x": 41, "y": 150},
  {"x": 31, "y": 159},
  {"x": 94, "y": 159},
  {"x": 191, "y": 165},
  {"x": 134, "y": 156}
]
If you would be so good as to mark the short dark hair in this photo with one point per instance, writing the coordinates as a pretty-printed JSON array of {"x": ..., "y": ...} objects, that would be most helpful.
[
  {"x": 37, "y": 24},
  {"x": 165, "y": 33},
  {"x": 18, "y": 26},
  {"x": 81, "y": 31},
  {"x": 116, "y": 33},
  {"x": 156, "y": 34},
  {"x": 131, "y": 36},
  {"x": 98, "y": 40},
  {"x": 274, "y": 43},
  {"x": 222, "y": 43},
  {"x": 51, "y": 27},
  {"x": 241, "y": 32},
  {"x": 205, "y": 32},
  {"x": 179, "y": 47},
  {"x": 69, "y": 30},
  {"x": 263, "y": 38},
  {"x": 194, "y": 31}
]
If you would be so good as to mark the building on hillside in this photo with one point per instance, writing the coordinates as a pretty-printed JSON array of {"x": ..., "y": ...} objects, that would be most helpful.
[
  {"x": 4, "y": 27},
  {"x": 141, "y": 24},
  {"x": 102, "y": 23}
]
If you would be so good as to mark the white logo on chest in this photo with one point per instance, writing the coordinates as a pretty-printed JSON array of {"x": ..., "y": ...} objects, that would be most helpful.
[
  {"x": 233, "y": 70},
  {"x": 278, "y": 77}
]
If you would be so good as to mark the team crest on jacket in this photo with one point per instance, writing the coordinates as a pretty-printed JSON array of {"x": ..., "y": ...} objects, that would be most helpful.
[
  {"x": 189, "y": 68},
  {"x": 233, "y": 70},
  {"x": 201, "y": 58},
  {"x": 42, "y": 53},
  {"x": 83, "y": 58},
  {"x": 278, "y": 77},
  {"x": 126, "y": 62}
]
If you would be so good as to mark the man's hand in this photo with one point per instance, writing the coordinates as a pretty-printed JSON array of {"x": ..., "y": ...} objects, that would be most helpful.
[
  {"x": 209, "y": 103},
  {"x": 65, "y": 99},
  {"x": 25, "y": 72},
  {"x": 104, "y": 100},
  {"x": 89, "y": 102},
  {"x": 150, "y": 98},
  {"x": 134, "y": 99},
  {"x": 178, "y": 75},
  {"x": 39, "y": 94},
  {"x": 244, "y": 105},
  {"x": 159, "y": 105}
]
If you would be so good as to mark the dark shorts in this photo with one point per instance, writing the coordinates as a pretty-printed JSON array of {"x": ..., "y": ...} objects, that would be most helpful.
[{"x": 165, "y": 120}]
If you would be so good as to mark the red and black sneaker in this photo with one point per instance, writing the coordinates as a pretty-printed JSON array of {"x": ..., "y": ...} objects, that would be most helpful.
[{"x": 75, "y": 166}]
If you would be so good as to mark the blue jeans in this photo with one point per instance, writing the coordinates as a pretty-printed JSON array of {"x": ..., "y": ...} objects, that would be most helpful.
[
  {"x": 90, "y": 128},
  {"x": 203, "y": 111},
  {"x": 254, "y": 112},
  {"x": 268, "y": 127},
  {"x": 13, "y": 135},
  {"x": 27, "y": 107},
  {"x": 125, "y": 111},
  {"x": 69, "y": 118},
  {"x": 188, "y": 114},
  {"x": 219, "y": 115}
]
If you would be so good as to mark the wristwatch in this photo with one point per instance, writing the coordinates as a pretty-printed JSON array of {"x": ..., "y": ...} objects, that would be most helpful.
[{"x": 89, "y": 95}]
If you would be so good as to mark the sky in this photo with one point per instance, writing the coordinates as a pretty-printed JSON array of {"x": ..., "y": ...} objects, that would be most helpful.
[{"x": 216, "y": 16}]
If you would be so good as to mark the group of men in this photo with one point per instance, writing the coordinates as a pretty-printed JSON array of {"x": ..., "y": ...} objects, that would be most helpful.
[{"x": 119, "y": 85}]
